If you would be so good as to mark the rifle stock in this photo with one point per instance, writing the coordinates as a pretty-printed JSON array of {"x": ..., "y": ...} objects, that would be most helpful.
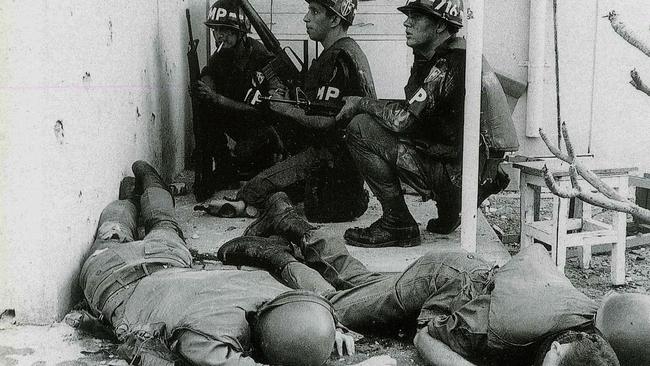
[{"x": 282, "y": 66}]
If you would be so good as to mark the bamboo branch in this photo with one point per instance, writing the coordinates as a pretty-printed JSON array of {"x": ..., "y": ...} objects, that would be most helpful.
[
  {"x": 630, "y": 35},
  {"x": 638, "y": 83},
  {"x": 567, "y": 142},
  {"x": 606, "y": 197},
  {"x": 595, "y": 199},
  {"x": 556, "y": 189},
  {"x": 583, "y": 171}
]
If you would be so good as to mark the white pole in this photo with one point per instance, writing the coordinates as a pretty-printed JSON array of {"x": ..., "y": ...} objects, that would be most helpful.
[
  {"x": 471, "y": 135},
  {"x": 536, "y": 47}
]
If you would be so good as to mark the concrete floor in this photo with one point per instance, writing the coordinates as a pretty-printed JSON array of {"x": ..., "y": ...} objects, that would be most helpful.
[
  {"x": 59, "y": 344},
  {"x": 206, "y": 233}
]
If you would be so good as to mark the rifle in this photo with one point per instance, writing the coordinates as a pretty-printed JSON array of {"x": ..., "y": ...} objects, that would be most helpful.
[
  {"x": 202, "y": 161},
  {"x": 312, "y": 108},
  {"x": 281, "y": 65}
]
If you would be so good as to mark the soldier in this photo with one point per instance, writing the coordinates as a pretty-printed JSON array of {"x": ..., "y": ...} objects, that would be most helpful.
[
  {"x": 419, "y": 141},
  {"x": 163, "y": 310},
  {"x": 324, "y": 172},
  {"x": 229, "y": 89},
  {"x": 462, "y": 309}
]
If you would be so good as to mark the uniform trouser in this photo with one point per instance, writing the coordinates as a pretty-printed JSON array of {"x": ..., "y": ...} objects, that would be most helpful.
[
  {"x": 375, "y": 151},
  {"x": 118, "y": 226},
  {"x": 256, "y": 143},
  {"x": 288, "y": 176},
  {"x": 436, "y": 285}
]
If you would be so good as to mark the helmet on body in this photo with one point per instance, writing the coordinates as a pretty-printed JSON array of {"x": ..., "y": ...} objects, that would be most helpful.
[
  {"x": 228, "y": 13},
  {"x": 624, "y": 321},
  {"x": 295, "y": 328},
  {"x": 450, "y": 11},
  {"x": 346, "y": 9}
]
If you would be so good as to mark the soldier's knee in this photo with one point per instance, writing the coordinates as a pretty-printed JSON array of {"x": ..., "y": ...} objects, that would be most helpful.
[
  {"x": 359, "y": 124},
  {"x": 114, "y": 231}
]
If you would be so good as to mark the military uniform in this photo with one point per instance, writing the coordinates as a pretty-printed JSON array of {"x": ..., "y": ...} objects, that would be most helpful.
[
  {"x": 420, "y": 141},
  {"x": 235, "y": 74},
  {"x": 323, "y": 175},
  {"x": 465, "y": 302},
  {"x": 159, "y": 306}
]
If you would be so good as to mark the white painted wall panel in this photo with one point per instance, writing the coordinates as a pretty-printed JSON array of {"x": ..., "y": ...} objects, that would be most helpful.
[{"x": 115, "y": 75}]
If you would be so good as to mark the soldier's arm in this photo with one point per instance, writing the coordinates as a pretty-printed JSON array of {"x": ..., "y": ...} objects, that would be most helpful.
[
  {"x": 341, "y": 83},
  {"x": 201, "y": 350},
  {"x": 299, "y": 116},
  {"x": 437, "y": 353},
  {"x": 205, "y": 90}
]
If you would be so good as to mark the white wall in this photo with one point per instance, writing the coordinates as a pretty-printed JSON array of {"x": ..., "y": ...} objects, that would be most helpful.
[
  {"x": 114, "y": 73},
  {"x": 621, "y": 114}
]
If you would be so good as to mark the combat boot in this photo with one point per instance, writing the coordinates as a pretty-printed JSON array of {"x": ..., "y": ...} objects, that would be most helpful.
[
  {"x": 279, "y": 218},
  {"x": 443, "y": 225},
  {"x": 396, "y": 228},
  {"x": 272, "y": 254},
  {"x": 146, "y": 176}
]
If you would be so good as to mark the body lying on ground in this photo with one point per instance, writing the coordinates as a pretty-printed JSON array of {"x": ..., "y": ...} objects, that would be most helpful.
[
  {"x": 166, "y": 312},
  {"x": 462, "y": 309}
]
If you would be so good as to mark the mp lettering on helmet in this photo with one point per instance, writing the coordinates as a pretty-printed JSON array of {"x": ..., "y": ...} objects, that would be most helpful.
[
  {"x": 347, "y": 7},
  {"x": 446, "y": 7},
  {"x": 420, "y": 96},
  {"x": 218, "y": 13}
]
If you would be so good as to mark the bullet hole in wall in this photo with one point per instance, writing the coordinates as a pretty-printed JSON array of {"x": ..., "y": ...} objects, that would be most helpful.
[
  {"x": 8, "y": 314},
  {"x": 58, "y": 131},
  {"x": 86, "y": 77},
  {"x": 153, "y": 117},
  {"x": 137, "y": 112},
  {"x": 80, "y": 194}
]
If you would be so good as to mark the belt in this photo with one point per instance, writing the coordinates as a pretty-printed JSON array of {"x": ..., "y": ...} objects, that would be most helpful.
[{"x": 127, "y": 277}]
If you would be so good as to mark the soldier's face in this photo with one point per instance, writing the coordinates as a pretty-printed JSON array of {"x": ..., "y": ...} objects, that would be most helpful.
[
  {"x": 317, "y": 22},
  {"x": 420, "y": 30},
  {"x": 224, "y": 36}
]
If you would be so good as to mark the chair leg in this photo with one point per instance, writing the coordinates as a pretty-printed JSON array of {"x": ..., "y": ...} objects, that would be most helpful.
[
  {"x": 586, "y": 256},
  {"x": 561, "y": 216},
  {"x": 619, "y": 225},
  {"x": 526, "y": 209}
]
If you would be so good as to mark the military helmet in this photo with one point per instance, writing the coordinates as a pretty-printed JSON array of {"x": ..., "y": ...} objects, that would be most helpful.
[
  {"x": 229, "y": 14},
  {"x": 624, "y": 321},
  {"x": 449, "y": 10},
  {"x": 295, "y": 328},
  {"x": 346, "y": 9}
]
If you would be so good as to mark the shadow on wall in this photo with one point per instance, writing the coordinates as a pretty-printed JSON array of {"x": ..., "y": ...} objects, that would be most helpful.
[{"x": 166, "y": 133}]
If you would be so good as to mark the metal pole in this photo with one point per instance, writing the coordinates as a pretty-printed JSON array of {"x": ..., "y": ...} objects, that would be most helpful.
[
  {"x": 471, "y": 135},
  {"x": 536, "y": 67}
]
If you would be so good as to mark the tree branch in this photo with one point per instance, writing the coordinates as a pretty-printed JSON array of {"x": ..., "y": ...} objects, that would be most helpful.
[
  {"x": 583, "y": 171},
  {"x": 631, "y": 36},
  {"x": 637, "y": 82}
]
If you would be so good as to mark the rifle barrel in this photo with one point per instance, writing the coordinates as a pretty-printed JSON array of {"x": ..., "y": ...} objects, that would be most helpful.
[
  {"x": 288, "y": 101},
  {"x": 189, "y": 25}
]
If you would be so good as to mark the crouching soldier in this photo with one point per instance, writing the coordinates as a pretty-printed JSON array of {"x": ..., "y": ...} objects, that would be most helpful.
[
  {"x": 324, "y": 175},
  {"x": 228, "y": 91},
  {"x": 419, "y": 142}
]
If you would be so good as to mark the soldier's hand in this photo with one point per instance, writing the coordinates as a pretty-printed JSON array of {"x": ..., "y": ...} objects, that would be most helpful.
[
  {"x": 383, "y": 360},
  {"x": 204, "y": 91},
  {"x": 278, "y": 93},
  {"x": 350, "y": 108},
  {"x": 344, "y": 342}
]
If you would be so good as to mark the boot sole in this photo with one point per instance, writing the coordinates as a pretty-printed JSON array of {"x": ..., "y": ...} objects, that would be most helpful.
[{"x": 403, "y": 243}]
